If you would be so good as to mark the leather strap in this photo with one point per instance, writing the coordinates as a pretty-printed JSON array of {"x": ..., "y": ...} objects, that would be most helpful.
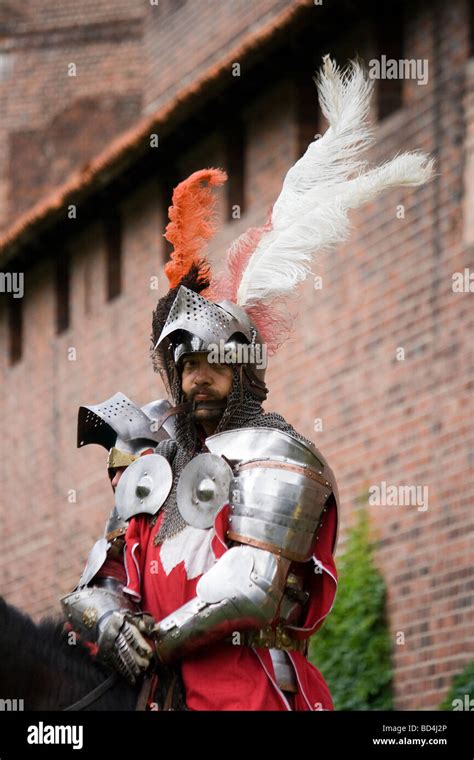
[
  {"x": 93, "y": 696},
  {"x": 144, "y": 694},
  {"x": 168, "y": 704},
  {"x": 178, "y": 409}
]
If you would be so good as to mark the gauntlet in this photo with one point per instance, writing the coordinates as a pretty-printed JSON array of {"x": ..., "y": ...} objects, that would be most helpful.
[{"x": 122, "y": 643}]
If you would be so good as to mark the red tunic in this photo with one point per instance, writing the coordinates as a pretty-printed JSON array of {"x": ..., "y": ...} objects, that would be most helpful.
[{"x": 224, "y": 676}]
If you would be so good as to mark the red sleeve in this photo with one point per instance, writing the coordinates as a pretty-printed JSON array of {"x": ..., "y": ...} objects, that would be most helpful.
[
  {"x": 323, "y": 584},
  {"x": 113, "y": 568},
  {"x": 136, "y": 539}
]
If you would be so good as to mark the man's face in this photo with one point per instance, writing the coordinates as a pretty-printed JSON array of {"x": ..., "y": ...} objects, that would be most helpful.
[{"x": 201, "y": 380}]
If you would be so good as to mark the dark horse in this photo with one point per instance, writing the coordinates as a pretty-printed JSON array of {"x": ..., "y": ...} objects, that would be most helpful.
[{"x": 39, "y": 666}]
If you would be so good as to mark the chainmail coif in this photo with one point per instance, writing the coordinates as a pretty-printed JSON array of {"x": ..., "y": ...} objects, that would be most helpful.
[{"x": 243, "y": 410}]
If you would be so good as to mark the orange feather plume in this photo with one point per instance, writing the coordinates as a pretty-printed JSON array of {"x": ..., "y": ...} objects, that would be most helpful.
[{"x": 192, "y": 222}]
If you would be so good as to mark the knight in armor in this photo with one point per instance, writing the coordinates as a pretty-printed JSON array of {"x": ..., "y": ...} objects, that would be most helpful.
[
  {"x": 126, "y": 432},
  {"x": 233, "y": 522}
]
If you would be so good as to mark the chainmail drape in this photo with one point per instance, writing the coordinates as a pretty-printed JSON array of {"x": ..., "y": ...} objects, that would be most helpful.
[{"x": 243, "y": 410}]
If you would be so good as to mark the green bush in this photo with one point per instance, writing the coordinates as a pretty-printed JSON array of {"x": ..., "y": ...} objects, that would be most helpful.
[
  {"x": 353, "y": 648},
  {"x": 463, "y": 684}
]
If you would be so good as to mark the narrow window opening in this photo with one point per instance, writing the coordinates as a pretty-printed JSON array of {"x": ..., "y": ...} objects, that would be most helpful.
[
  {"x": 309, "y": 119},
  {"x": 113, "y": 249},
  {"x": 62, "y": 291},
  {"x": 235, "y": 148},
  {"x": 390, "y": 30},
  {"x": 471, "y": 29},
  {"x": 15, "y": 329}
]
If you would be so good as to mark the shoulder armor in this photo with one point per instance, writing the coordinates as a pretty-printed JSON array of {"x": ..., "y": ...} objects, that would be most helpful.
[
  {"x": 280, "y": 491},
  {"x": 155, "y": 410},
  {"x": 245, "y": 444},
  {"x": 119, "y": 422}
]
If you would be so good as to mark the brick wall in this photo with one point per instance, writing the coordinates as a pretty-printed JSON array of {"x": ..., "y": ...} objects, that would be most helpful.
[
  {"x": 403, "y": 422},
  {"x": 55, "y": 119},
  {"x": 128, "y": 61},
  {"x": 207, "y": 28}
]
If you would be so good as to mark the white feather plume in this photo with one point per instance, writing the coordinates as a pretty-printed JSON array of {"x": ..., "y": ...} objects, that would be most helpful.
[{"x": 311, "y": 213}]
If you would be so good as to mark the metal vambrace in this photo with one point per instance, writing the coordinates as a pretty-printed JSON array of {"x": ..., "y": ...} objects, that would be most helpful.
[
  {"x": 103, "y": 614},
  {"x": 242, "y": 591}
]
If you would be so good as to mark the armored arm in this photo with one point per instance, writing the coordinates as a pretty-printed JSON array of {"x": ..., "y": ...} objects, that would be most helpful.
[
  {"x": 242, "y": 590},
  {"x": 98, "y": 609},
  {"x": 101, "y": 613},
  {"x": 277, "y": 503}
]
